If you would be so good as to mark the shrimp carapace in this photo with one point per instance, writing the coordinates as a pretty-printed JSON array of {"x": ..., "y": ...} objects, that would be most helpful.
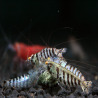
[{"x": 39, "y": 58}]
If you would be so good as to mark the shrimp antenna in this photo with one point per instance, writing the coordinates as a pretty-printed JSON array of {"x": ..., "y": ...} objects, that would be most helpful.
[
  {"x": 58, "y": 29},
  {"x": 82, "y": 63},
  {"x": 3, "y": 33},
  {"x": 24, "y": 31},
  {"x": 29, "y": 37},
  {"x": 44, "y": 42},
  {"x": 26, "y": 38},
  {"x": 68, "y": 41},
  {"x": 6, "y": 39},
  {"x": 34, "y": 21}
]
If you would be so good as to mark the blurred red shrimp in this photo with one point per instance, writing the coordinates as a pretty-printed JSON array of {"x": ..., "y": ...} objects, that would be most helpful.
[
  {"x": 13, "y": 55},
  {"x": 24, "y": 51}
]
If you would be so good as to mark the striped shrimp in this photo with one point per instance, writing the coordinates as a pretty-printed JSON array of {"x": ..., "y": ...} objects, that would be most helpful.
[
  {"x": 25, "y": 80},
  {"x": 65, "y": 74},
  {"x": 41, "y": 57}
]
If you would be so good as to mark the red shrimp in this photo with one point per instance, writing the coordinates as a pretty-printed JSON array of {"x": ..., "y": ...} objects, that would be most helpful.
[{"x": 24, "y": 51}]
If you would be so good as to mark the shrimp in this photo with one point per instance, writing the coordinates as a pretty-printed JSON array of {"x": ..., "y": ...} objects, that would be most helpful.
[{"x": 64, "y": 73}]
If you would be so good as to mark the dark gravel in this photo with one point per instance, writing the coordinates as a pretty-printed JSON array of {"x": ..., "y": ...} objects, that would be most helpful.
[{"x": 46, "y": 93}]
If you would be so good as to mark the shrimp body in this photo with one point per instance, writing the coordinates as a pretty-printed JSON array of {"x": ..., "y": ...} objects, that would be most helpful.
[
  {"x": 25, "y": 80},
  {"x": 41, "y": 57},
  {"x": 68, "y": 75},
  {"x": 23, "y": 51}
]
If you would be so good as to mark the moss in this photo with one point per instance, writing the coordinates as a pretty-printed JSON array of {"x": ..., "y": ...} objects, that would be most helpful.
[{"x": 46, "y": 79}]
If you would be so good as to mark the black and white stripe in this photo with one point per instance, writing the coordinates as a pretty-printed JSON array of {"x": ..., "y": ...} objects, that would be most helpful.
[
  {"x": 43, "y": 55},
  {"x": 69, "y": 79},
  {"x": 25, "y": 80},
  {"x": 21, "y": 81}
]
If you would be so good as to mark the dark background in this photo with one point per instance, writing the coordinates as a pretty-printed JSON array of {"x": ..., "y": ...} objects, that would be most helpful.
[
  {"x": 55, "y": 21},
  {"x": 35, "y": 18}
]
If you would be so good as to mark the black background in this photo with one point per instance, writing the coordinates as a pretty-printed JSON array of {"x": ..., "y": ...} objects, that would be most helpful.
[
  {"x": 35, "y": 18},
  {"x": 55, "y": 21}
]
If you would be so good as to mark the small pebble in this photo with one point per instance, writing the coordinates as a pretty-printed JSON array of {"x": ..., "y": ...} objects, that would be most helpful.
[
  {"x": 47, "y": 95},
  {"x": 40, "y": 96},
  {"x": 95, "y": 96},
  {"x": 55, "y": 96},
  {"x": 22, "y": 93},
  {"x": 95, "y": 91},
  {"x": 21, "y": 97},
  {"x": 40, "y": 91},
  {"x": 32, "y": 90},
  {"x": 15, "y": 92},
  {"x": 18, "y": 89},
  {"x": 7, "y": 92},
  {"x": 77, "y": 94}
]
